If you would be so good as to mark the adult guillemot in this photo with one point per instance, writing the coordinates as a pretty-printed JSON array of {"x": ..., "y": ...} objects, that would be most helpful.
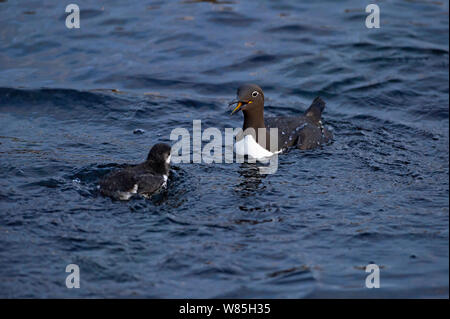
[
  {"x": 304, "y": 132},
  {"x": 144, "y": 179}
]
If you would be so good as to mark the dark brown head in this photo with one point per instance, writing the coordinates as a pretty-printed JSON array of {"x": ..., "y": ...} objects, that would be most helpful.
[
  {"x": 249, "y": 97},
  {"x": 159, "y": 158}
]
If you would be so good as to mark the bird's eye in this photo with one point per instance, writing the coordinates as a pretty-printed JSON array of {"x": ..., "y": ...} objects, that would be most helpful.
[{"x": 255, "y": 93}]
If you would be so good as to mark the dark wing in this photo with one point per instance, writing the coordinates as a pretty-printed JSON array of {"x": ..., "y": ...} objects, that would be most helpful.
[
  {"x": 305, "y": 131},
  {"x": 309, "y": 137},
  {"x": 148, "y": 183},
  {"x": 289, "y": 129},
  {"x": 118, "y": 181}
]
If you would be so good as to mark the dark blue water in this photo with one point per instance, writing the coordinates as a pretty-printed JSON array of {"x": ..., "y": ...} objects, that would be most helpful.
[{"x": 71, "y": 99}]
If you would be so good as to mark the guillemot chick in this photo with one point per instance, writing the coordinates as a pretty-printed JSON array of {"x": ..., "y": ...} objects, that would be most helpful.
[
  {"x": 144, "y": 179},
  {"x": 304, "y": 132}
]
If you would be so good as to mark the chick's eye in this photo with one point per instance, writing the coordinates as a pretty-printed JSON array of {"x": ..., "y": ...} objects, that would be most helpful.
[{"x": 254, "y": 94}]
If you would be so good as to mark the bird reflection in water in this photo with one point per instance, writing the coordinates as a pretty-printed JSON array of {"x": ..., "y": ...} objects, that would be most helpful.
[{"x": 251, "y": 180}]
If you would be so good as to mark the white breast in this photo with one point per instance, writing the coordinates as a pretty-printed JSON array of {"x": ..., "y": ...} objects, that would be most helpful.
[
  {"x": 127, "y": 195},
  {"x": 248, "y": 146},
  {"x": 165, "y": 181}
]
